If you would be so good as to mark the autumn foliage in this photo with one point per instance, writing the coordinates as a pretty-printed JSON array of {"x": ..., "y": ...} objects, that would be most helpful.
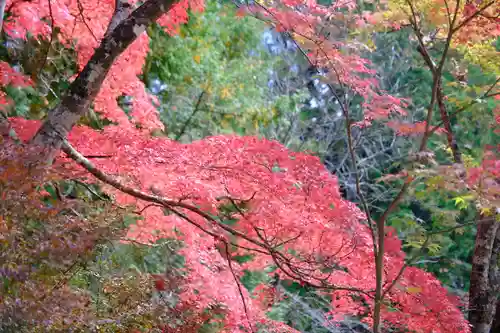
[
  {"x": 291, "y": 203},
  {"x": 230, "y": 196}
]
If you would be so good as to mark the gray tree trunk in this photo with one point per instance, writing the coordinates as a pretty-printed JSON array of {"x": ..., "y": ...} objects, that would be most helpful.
[{"x": 484, "y": 286}]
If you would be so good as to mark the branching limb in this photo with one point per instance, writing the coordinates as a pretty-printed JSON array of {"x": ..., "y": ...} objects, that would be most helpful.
[
  {"x": 188, "y": 121},
  {"x": 238, "y": 284},
  {"x": 84, "y": 20},
  {"x": 83, "y": 90},
  {"x": 473, "y": 16},
  {"x": 170, "y": 204},
  {"x": 122, "y": 11},
  {"x": 263, "y": 246},
  {"x": 486, "y": 94},
  {"x": 424, "y": 246}
]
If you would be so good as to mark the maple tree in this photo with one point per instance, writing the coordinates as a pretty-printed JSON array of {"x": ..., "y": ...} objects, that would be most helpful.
[
  {"x": 232, "y": 196},
  {"x": 466, "y": 27}
]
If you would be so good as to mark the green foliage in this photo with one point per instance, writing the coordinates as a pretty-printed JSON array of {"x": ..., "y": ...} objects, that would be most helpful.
[
  {"x": 301, "y": 307},
  {"x": 50, "y": 66},
  {"x": 252, "y": 279},
  {"x": 215, "y": 75},
  {"x": 45, "y": 240},
  {"x": 118, "y": 280}
]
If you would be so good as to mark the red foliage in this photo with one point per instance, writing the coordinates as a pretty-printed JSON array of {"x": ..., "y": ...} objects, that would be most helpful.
[
  {"x": 292, "y": 194},
  {"x": 479, "y": 27},
  {"x": 84, "y": 22},
  {"x": 417, "y": 128},
  {"x": 292, "y": 201},
  {"x": 160, "y": 283},
  {"x": 484, "y": 180},
  {"x": 10, "y": 76}
]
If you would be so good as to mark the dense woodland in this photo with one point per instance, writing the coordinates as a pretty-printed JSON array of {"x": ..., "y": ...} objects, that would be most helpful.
[{"x": 185, "y": 166}]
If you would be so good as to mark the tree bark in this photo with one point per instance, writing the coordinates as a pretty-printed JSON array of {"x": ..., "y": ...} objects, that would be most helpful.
[
  {"x": 2, "y": 12},
  {"x": 452, "y": 142},
  {"x": 485, "y": 276},
  {"x": 495, "y": 327},
  {"x": 84, "y": 89}
]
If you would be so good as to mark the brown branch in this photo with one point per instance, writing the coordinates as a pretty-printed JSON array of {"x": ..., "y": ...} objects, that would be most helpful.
[
  {"x": 351, "y": 148},
  {"x": 487, "y": 94},
  {"x": 406, "y": 264},
  {"x": 80, "y": 13},
  {"x": 188, "y": 121},
  {"x": 380, "y": 223},
  {"x": 83, "y": 90},
  {"x": 98, "y": 156},
  {"x": 36, "y": 72},
  {"x": 213, "y": 234},
  {"x": 172, "y": 205},
  {"x": 437, "y": 72},
  {"x": 452, "y": 142},
  {"x": 2, "y": 13},
  {"x": 139, "y": 212},
  {"x": 140, "y": 243},
  {"x": 424, "y": 246},
  {"x": 470, "y": 18},
  {"x": 229, "y": 261},
  {"x": 121, "y": 12}
]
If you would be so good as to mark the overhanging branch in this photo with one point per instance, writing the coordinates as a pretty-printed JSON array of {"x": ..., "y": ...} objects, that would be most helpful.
[{"x": 264, "y": 247}]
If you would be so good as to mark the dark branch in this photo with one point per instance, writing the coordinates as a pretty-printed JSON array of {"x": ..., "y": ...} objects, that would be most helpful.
[
  {"x": 88, "y": 83},
  {"x": 188, "y": 121}
]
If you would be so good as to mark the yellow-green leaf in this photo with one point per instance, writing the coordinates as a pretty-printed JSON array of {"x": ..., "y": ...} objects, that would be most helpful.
[{"x": 413, "y": 290}]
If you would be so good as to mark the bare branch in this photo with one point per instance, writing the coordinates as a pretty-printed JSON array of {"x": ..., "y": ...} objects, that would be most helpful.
[
  {"x": 188, "y": 121},
  {"x": 170, "y": 204},
  {"x": 265, "y": 248},
  {"x": 36, "y": 73},
  {"x": 84, "y": 20},
  {"x": 236, "y": 280},
  {"x": 487, "y": 94}
]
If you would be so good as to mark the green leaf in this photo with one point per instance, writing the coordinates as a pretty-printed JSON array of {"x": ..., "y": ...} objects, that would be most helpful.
[
  {"x": 462, "y": 202},
  {"x": 252, "y": 279},
  {"x": 243, "y": 258},
  {"x": 129, "y": 220}
]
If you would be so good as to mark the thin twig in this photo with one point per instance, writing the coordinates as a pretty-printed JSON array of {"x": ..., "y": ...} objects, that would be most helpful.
[
  {"x": 172, "y": 205},
  {"x": 424, "y": 246},
  {"x": 188, "y": 121},
  {"x": 472, "y": 103},
  {"x": 470, "y": 18},
  {"x": 84, "y": 20},
  {"x": 49, "y": 45},
  {"x": 229, "y": 262}
]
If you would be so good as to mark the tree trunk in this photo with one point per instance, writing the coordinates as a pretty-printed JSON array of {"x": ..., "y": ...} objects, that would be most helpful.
[
  {"x": 484, "y": 277},
  {"x": 452, "y": 142},
  {"x": 495, "y": 327},
  {"x": 84, "y": 89}
]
